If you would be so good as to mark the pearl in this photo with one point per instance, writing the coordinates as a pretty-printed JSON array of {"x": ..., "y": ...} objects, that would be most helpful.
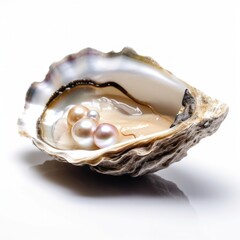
[
  {"x": 94, "y": 115},
  {"x": 105, "y": 135},
  {"x": 82, "y": 133},
  {"x": 76, "y": 113}
]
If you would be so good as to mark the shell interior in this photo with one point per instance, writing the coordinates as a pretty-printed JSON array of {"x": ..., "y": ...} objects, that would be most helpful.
[{"x": 133, "y": 118}]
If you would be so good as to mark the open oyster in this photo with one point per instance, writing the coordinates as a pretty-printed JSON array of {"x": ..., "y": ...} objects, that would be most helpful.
[{"x": 120, "y": 113}]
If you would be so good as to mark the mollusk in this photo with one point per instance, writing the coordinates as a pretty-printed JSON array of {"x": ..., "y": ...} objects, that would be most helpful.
[{"x": 120, "y": 113}]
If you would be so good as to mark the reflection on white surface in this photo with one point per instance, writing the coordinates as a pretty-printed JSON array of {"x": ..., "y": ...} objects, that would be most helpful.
[
  {"x": 83, "y": 181},
  {"x": 75, "y": 198},
  {"x": 86, "y": 182},
  {"x": 137, "y": 207}
]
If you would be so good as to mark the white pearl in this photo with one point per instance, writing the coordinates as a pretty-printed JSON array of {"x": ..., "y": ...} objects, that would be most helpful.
[
  {"x": 76, "y": 113},
  {"x": 82, "y": 133},
  {"x": 106, "y": 135},
  {"x": 94, "y": 115}
]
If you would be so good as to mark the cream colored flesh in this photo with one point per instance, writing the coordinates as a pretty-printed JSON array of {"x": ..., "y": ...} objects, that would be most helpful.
[{"x": 132, "y": 119}]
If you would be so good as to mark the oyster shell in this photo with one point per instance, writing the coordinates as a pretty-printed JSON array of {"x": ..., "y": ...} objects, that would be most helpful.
[{"x": 158, "y": 116}]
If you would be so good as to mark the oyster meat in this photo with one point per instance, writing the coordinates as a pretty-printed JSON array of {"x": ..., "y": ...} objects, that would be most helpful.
[{"x": 120, "y": 113}]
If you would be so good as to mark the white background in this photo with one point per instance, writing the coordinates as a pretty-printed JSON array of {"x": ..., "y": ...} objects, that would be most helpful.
[{"x": 196, "y": 198}]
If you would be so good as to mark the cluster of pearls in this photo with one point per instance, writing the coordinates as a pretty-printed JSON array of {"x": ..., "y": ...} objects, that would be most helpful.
[{"x": 86, "y": 130}]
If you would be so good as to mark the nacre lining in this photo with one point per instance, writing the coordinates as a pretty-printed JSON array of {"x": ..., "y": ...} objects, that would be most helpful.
[{"x": 132, "y": 118}]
